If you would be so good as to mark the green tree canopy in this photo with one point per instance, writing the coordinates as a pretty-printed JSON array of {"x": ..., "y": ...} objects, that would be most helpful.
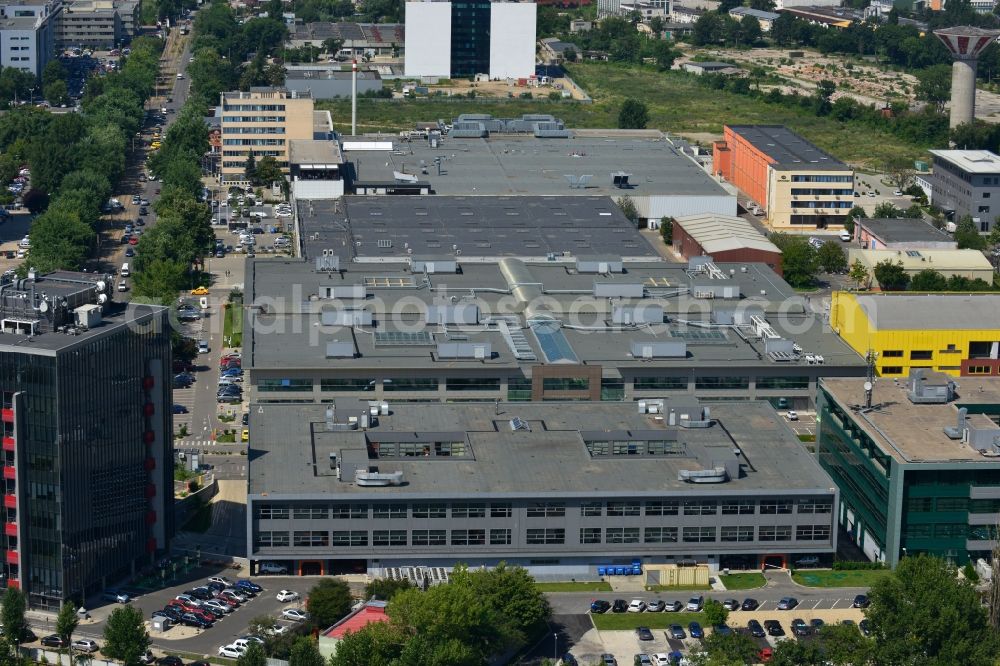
[
  {"x": 305, "y": 653},
  {"x": 831, "y": 257},
  {"x": 967, "y": 235},
  {"x": 329, "y": 601},
  {"x": 799, "y": 262},
  {"x": 858, "y": 273},
  {"x": 890, "y": 275},
  {"x": 928, "y": 280},
  {"x": 67, "y": 620},
  {"x": 254, "y": 656},
  {"x": 12, "y": 616},
  {"x": 633, "y": 115},
  {"x": 125, "y": 637},
  {"x": 386, "y": 588}
]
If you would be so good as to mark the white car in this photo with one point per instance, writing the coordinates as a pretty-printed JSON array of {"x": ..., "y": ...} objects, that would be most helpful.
[
  {"x": 287, "y": 595},
  {"x": 661, "y": 659},
  {"x": 694, "y": 604},
  {"x": 296, "y": 614},
  {"x": 897, "y": 193},
  {"x": 221, "y": 580},
  {"x": 219, "y": 606},
  {"x": 231, "y": 651},
  {"x": 273, "y": 568},
  {"x": 793, "y": 415},
  {"x": 636, "y": 606}
]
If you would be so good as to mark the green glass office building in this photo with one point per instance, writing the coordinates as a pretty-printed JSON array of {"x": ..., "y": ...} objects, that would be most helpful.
[{"x": 916, "y": 469}]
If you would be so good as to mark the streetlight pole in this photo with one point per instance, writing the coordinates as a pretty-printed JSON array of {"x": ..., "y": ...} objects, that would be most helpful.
[{"x": 555, "y": 646}]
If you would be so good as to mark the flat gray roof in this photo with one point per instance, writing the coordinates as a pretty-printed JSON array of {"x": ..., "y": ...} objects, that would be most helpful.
[
  {"x": 399, "y": 226},
  {"x": 291, "y": 333},
  {"x": 941, "y": 312},
  {"x": 892, "y": 230},
  {"x": 506, "y": 164},
  {"x": 315, "y": 153},
  {"x": 788, "y": 149},
  {"x": 911, "y": 432},
  {"x": 290, "y": 449}
]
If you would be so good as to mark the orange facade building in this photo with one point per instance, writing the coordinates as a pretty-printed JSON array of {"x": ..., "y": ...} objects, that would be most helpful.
[{"x": 797, "y": 184}]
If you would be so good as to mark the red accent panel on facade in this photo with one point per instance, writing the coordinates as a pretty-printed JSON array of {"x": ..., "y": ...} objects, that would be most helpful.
[
  {"x": 150, "y": 517},
  {"x": 149, "y": 464},
  {"x": 9, "y": 472},
  {"x": 10, "y": 501},
  {"x": 7, "y": 415},
  {"x": 151, "y": 545},
  {"x": 148, "y": 383},
  {"x": 8, "y": 444},
  {"x": 12, "y": 557},
  {"x": 149, "y": 437},
  {"x": 10, "y": 529},
  {"x": 149, "y": 409},
  {"x": 980, "y": 363},
  {"x": 14, "y": 583},
  {"x": 150, "y": 490}
]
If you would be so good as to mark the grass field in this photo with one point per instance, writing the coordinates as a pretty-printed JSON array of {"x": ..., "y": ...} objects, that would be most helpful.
[
  {"x": 574, "y": 586},
  {"x": 743, "y": 581},
  {"x": 618, "y": 621},
  {"x": 830, "y": 578},
  {"x": 677, "y": 103},
  {"x": 232, "y": 326}
]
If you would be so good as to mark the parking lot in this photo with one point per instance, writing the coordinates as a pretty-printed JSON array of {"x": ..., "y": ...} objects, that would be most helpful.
[{"x": 203, "y": 641}]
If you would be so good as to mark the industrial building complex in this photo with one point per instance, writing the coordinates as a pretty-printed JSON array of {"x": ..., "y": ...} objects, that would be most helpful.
[
  {"x": 916, "y": 463},
  {"x": 87, "y": 437},
  {"x": 559, "y": 488},
  {"x": 797, "y": 184}
]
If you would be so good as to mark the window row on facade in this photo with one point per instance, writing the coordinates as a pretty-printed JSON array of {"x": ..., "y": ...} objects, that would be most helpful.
[
  {"x": 542, "y": 536},
  {"x": 616, "y": 508}
]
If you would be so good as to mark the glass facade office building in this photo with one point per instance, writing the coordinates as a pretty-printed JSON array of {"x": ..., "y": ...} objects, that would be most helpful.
[
  {"x": 470, "y": 38},
  {"x": 87, "y": 465}
]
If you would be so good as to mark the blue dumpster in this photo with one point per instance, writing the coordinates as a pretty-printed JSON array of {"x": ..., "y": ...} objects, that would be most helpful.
[{"x": 602, "y": 571}]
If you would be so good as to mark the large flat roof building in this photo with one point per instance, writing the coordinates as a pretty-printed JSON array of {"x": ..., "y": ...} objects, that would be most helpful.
[
  {"x": 654, "y": 171},
  {"x": 557, "y": 487},
  {"x": 87, "y": 436},
  {"x": 957, "y": 334},
  {"x": 799, "y": 185},
  {"x": 545, "y": 297},
  {"x": 966, "y": 182},
  {"x": 917, "y": 470},
  {"x": 901, "y": 234},
  {"x": 969, "y": 264}
]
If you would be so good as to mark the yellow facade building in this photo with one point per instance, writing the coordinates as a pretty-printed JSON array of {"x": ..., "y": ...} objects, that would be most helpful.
[{"x": 957, "y": 334}]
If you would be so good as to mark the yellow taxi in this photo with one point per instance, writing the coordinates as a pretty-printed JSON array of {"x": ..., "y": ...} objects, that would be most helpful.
[
  {"x": 246, "y": 435},
  {"x": 155, "y": 145},
  {"x": 200, "y": 291}
]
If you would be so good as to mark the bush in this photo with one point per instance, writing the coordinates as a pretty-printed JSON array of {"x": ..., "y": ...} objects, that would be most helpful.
[{"x": 846, "y": 565}]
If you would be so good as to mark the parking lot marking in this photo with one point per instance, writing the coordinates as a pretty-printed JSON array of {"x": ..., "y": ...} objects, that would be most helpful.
[{"x": 816, "y": 605}]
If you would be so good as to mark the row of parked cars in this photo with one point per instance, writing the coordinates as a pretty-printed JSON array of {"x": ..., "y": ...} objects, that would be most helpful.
[
  {"x": 202, "y": 606},
  {"x": 694, "y": 605}
]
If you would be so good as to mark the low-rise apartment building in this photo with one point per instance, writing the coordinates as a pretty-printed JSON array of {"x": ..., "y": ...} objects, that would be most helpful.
[{"x": 967, "y": 182}]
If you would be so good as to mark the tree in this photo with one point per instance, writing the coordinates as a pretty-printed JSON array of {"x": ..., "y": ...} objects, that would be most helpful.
[
  {"x": 125, "y": 637},
  {"x": 333, "y": 45},
  {"x": 831, "y": 257},
  {"x": 967, "y": 236},
  {"x": 732, "y": 648},
  {"x": 254, "y": 656},
  {"x": 657, "y": 26},
  {"x": 928, "y": 280},
  {"x": 890, "y": 275},
  {"x": 665, "y": 55},
  {"x": 667, "y": 230},
  {"x": 67, "y": 620},
  {"x": 886, "y": 210},
  {"x": 715, "y": 613},
  {"x": 12, "y": 616},
  {"x": 386, "y": 588},
  {"x": 906, "y": 614},
  {"x": 512, "y": 592},
  {"x": 250, "y": 170},
  {"x": 750, "y": 30},
  {"x": 267, "y": 171},
  {"x": 329, "y": 600},
  {"x": 858, "y": 273},
  {"x": 824, "y": 92},
  {"x": 900, "y": 172},
  {"x": 633, "y": 115},
  {"x": 798, "y": 259},
  {"x": 378, "y": 644},
  {"x": 569, "y": 55},
  {"x": 305, "y": 653},
  {"x": 56, "y": 93},
  {"x": 934, "y": 85},
  {"x": 628, "y": 209}
]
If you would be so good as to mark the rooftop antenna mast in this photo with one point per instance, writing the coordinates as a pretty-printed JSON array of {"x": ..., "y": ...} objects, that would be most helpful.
[{"x": 870, "y": 359}]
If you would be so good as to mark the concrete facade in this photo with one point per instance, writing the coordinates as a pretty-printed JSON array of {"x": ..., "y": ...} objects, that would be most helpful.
[
  {"x": 967, "y": 182},
  {"x": 265, "y": 121},
  {"x": 93, "y": 24},
  {"x": 28, "y": 34},
  {"x": 512, "y": 40}
]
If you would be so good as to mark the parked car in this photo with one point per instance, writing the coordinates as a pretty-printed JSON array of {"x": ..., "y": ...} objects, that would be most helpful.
[
  {"x": 619, "y": 606},
  {"x": 677, "y": 631},
  {"x": 231, "y": 651},
  {"x": 721, "y": 629},
  {"x": 773, "y": 628},
  {"x": 600, "y": 606},
  {"x": 296, "y": 614},
  {"x": 202, "y": 593},
  {"x": 636, "y": 606},
  {"x": 245, "y": 584},
  {"x": 757, "y": 631},
  {"x": 731, "y": 604},
  {"x": 695, "y": 630},
  {"x": 809, "y": 561},
  {"x": 787, "y": 603},
  {"x": 643, "y": 633},
  {"x": 285, "y": 596},
  {"x": 180, "y": 409},
  {"x": 750, "y": 604},
  {"x": 861, "y": 601},
  {"x": 695, "y": 604},
  {"x": 800, "y": 628},
  {"x": 816, "y": 624},
  {"x": 170, "y": 660},
  {"x": 54, "y": 641},
  {"x": 273, "y": 568},
  {"x": 116, "y": 596},
  {"x": 672, "y": 606},
  {"x": 231, "y": 593},
  {"x": 655, "y": 606},
  {"x": 85, "y": 645},
  {"x": 865, "y": 627}
]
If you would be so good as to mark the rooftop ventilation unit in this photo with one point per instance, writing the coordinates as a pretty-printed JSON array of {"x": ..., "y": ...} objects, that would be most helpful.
[
  {"x": 956, "y": 431},
  {"x": 637, "y": 314},
  {"x": 377, "y": 478},
  {"x": 328, "y": 262},
  {"x": 347, "y": 318},
  {"x": 517, "y": 423},
  {"x": 651, "y": 406},
  {"x": 714, "y": 475},
  {"x": 346, "y": 292},
  {"x": 470, "y": 350},
  {"x": 650, "y": 350},
  {"x": 762, "y": 329},
  {"x": 431, "y": 266},
  {"x": 924, "y": 391},
  {"x": 620, "y": 180},
  {"x": 338, "y": 349},
  {"x": 460, "y": 314},
  {"x": 599, "y": 265},
  {"x": 618, "y": 290}
]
